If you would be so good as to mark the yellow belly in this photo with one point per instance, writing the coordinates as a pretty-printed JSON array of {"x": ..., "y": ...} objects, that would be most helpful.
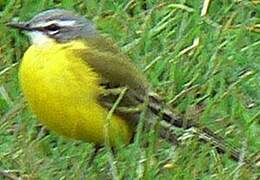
[{"x": 62, "y": 91}]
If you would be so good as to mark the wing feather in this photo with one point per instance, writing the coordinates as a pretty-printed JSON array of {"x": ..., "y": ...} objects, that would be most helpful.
[{"x": 116, "y": 71}]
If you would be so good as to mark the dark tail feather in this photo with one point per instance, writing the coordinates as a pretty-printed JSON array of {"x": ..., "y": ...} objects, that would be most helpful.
[{"x": 204, "y": 134}]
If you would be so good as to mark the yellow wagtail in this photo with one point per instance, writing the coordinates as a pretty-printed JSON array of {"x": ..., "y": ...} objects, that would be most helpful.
[{"x": 71, "y": 77}]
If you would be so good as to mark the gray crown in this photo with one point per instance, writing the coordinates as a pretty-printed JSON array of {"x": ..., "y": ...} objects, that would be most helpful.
[{"x": 59, "y": 24}]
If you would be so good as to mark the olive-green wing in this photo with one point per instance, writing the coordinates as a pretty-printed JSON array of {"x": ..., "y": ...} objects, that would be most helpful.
[
  {"x": 107, "y": 60},
  {"x": 117, "y": 72}
]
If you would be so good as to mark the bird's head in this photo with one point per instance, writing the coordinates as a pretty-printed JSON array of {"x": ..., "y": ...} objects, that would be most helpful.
[{"x": 56, "y": 25}]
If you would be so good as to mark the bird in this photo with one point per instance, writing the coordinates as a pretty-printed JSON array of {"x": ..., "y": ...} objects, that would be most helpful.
[{"x": 82, "y": 86}]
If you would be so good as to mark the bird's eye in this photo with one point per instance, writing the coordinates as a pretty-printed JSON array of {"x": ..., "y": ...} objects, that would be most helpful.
[{"x": 52, "y": 27}]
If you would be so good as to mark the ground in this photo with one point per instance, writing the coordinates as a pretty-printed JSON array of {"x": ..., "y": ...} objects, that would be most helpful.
[{"x": 203, "y": 56}]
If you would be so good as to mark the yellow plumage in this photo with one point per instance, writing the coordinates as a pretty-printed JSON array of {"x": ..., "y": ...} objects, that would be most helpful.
[{"x": 62, "y": 91}]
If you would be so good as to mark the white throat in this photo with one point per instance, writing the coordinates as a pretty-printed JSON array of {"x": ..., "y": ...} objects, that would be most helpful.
[{"x": 39, "y": 39}]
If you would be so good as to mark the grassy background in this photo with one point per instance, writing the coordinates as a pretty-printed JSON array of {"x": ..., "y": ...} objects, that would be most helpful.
[{"x": 207, "y": 65}]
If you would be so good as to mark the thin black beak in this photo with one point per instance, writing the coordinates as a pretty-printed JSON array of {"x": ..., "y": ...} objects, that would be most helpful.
[{"x": 20, "y": 25}]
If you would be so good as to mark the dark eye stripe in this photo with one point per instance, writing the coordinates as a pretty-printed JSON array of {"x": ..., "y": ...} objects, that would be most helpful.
[
  {"x": 52, "y": 27},
  {"x": 49, "y": 28}
]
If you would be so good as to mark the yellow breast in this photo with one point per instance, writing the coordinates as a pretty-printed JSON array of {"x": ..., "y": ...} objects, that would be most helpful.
[{"x": 62, "y": 91}]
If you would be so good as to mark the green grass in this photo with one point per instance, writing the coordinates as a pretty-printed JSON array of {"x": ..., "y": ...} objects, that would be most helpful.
[{"x": 219, "y": 74}]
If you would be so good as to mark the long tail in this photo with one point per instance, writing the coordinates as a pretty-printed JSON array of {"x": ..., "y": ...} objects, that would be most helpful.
[
  {"x": 158, "y": 107},
  {"x": 204, "y": 134}
]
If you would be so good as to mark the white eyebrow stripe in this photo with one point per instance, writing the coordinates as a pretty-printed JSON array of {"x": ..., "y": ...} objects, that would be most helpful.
[{"x": 58, "y": 22}]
